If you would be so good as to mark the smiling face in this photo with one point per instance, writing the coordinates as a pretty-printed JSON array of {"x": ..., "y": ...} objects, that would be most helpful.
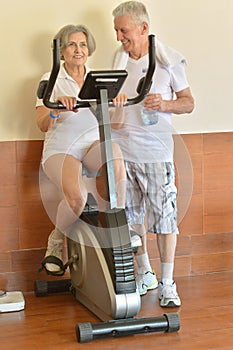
[
  {"x": 76, "y": 51},
  {"x": 133, "y": 37}
]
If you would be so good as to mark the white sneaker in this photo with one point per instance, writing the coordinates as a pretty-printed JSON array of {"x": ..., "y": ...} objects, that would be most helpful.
[
  {"x": 54, "y": 248},
  {"x": 135, "y": 239},
  {"x": 146, "y": 281},
  {"x": 168, "y": 295}
]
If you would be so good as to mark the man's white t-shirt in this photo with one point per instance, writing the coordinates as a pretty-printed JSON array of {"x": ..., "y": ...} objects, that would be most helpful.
[{"x": 142, "y": 143}]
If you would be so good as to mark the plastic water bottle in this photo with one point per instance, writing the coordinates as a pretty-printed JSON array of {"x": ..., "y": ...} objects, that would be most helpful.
[{"x": 149, "y": 117}]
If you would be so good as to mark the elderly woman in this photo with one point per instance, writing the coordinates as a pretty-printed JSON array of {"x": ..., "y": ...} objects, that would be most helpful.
[{"x": 72, "y": 138}]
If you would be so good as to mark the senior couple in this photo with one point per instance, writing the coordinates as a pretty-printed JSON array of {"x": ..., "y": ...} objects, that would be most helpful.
[{"x": 142, "y": 143}]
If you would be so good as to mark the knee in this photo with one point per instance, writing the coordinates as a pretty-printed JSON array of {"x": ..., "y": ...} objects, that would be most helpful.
[
  {"x": 77, "y": 199},
  {"x": 139, "y": 229}
]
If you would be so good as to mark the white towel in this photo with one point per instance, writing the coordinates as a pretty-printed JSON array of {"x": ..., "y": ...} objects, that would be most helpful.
[{"x": 166, "y": 56}]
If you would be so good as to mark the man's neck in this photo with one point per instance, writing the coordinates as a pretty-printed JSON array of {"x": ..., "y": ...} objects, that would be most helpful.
[{"x": 142, "y": 51}]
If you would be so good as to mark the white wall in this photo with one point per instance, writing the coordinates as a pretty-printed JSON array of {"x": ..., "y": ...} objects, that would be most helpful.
[{"x": 201, "y": 29}]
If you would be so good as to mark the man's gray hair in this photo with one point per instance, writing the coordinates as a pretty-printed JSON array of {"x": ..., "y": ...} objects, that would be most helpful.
[
  {"x": 64, "y": 32},
  {"x": 135, "y": 9}
]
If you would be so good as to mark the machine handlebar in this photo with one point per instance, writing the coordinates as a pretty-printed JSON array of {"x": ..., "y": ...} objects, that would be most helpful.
[{"x": 46, "y": 87}]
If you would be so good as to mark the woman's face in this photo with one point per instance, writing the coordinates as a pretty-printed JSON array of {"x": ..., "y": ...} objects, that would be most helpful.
[{"x": 76, "y": 51}]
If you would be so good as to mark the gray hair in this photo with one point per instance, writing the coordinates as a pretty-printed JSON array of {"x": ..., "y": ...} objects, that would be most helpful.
[
  {"x": 135, "y": 9},
  {"x": 64, "y": 32}
]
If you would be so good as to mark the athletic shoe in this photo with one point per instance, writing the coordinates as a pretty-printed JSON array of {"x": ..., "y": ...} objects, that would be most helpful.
[
  {"x": 135, "y": 239},
  {"x": 168, "y": 295},
  {"x": 54, "y": 248},
  {"x": 146, "y": 281}
]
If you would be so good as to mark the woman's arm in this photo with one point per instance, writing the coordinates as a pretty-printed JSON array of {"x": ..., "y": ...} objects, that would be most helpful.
[
  {"x": 47, "y": 118},
  {"x": 44, "y": 118},
  {"x": 117, "y": 114}
]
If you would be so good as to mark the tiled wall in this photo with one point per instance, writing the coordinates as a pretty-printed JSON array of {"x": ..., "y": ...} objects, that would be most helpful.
[{"x": 205, "y": 243}]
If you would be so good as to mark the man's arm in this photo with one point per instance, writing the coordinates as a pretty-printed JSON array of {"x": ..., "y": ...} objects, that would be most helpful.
[{"x": 184, "y": 102}]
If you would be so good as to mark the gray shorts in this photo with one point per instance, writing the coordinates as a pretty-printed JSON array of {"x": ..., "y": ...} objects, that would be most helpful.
[{"x": 151, "y": 192}]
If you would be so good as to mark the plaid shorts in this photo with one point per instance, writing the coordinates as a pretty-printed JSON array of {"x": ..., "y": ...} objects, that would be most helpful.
[{"x": 151, "y": 192}]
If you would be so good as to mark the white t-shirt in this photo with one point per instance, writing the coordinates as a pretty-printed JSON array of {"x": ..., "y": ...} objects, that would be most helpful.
[
  {"x": 72, "y": 131},
  {"x": 142, "y": 143}
]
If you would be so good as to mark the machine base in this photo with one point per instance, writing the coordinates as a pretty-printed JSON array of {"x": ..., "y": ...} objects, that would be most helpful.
[{"x": 86, "y": 332}]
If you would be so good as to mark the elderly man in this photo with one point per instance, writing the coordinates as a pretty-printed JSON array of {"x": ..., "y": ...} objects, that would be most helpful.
[{"x": 147, "y": 144}]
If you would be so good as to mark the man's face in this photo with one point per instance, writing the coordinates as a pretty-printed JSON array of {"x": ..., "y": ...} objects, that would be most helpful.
[{"x": 131, "y": 36}]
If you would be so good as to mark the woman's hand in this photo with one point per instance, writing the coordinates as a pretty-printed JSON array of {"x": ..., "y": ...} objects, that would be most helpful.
[
  {"x": 120, "y": 100},
  {"x": 69, "y": 102}
]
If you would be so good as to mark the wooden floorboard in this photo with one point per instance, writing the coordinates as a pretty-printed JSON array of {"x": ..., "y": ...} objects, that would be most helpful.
[{"x": 206, "y": 317}]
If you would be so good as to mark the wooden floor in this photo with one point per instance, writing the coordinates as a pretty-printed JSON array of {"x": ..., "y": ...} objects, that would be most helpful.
[{"x": 206, "y": 317}]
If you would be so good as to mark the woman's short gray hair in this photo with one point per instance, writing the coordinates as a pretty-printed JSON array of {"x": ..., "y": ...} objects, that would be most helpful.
[
  {"x": 135, "y": 9},
  {"x": 64, "y": 32}
]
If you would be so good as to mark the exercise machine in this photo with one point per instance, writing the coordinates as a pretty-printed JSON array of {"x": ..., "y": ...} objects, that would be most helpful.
[{"x": 100, "y": 256}]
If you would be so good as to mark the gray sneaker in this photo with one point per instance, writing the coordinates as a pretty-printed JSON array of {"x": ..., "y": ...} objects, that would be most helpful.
[
  {"x": 168, "y": 295},
  {"x": 54, "y": 248},
  {"x": 146, "y": 281}
]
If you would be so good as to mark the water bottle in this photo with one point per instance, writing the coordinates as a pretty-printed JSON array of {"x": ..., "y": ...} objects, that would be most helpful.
[{"x": 149, "y": 117}]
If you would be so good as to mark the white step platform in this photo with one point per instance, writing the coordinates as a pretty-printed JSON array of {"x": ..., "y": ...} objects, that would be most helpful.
[{"x": 11, "y": 301}]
